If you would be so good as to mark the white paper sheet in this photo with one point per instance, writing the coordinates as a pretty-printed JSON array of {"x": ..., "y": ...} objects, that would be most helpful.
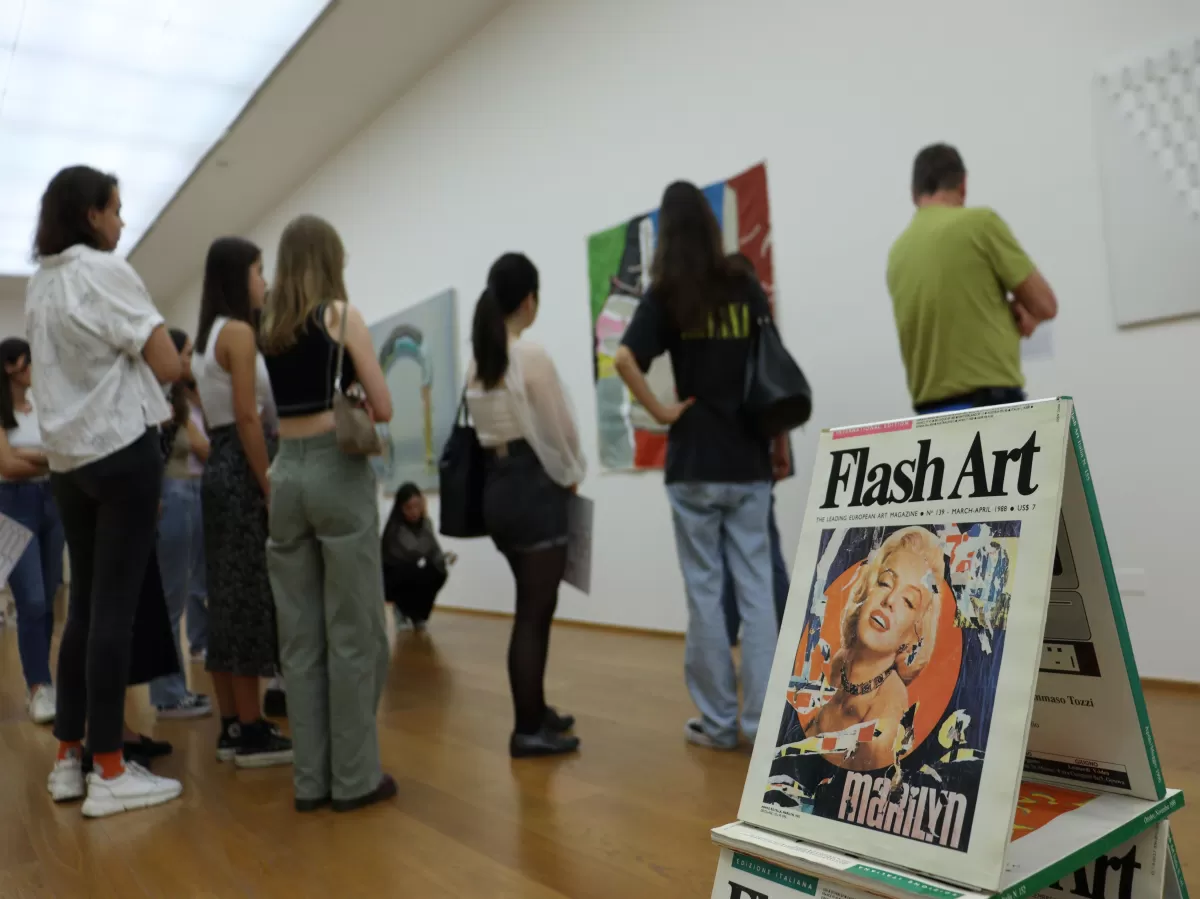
[{"x": 579, "y": 546}]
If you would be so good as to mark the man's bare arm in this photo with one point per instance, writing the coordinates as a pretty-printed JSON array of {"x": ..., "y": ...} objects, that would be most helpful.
[{"x": 1036, "y": 297}]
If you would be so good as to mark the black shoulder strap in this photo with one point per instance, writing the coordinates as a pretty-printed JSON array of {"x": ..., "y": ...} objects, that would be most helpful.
[{"x": 760, "y": 306}]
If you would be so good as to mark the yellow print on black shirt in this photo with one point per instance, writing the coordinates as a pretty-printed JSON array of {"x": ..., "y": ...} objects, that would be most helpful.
[{"x": 731, "y": 322}]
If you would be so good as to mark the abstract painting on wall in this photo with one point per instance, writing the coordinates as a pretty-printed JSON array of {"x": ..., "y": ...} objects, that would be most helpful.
[
  {"x": 619, "y": 261},
  {"x": 1147, "y": 118},
  {"x": 417, "y": 350}
]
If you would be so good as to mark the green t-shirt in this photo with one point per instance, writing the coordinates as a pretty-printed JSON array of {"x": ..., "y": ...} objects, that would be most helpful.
[{"x": 949, "y": 275}]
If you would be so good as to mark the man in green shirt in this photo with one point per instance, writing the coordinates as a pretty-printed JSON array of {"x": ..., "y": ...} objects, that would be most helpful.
[{"x": 964, "y": 293}]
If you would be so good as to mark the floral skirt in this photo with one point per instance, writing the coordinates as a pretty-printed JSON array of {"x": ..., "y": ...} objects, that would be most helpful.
[{"x": 242, "y": 638}]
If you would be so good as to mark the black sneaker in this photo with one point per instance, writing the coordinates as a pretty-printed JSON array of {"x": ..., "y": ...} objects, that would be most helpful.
[
  {"x": 145, "y": 747},
  {"x": 262, "y": 746},
  {"x": 275, "y": 703},
  {"x": 230, "y": 739}
]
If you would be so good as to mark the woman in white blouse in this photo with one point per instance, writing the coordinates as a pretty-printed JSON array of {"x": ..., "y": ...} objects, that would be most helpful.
[
  {"x": 100, "y": 353},
  {"x": 526, "y": 424}
]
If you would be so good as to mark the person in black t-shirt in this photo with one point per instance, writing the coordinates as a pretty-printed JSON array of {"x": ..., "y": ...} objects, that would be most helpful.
[{"x": 702, "y": 312}]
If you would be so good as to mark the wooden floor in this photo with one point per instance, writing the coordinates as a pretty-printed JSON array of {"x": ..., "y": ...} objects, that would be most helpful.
[{"x": 628, "y": 817}]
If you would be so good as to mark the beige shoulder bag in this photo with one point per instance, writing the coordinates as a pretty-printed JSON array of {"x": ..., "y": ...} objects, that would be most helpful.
[{"x": 356, "y": 434}]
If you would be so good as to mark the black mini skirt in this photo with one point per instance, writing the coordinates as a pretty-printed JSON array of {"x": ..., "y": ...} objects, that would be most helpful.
[{"x": 523, "y": 509}]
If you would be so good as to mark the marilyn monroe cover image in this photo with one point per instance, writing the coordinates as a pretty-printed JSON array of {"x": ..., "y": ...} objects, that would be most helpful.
[{"x": 890, "y": 702}]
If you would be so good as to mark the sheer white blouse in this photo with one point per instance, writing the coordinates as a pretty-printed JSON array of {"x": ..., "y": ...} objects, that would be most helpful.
[{"x": 530, "y": 404}]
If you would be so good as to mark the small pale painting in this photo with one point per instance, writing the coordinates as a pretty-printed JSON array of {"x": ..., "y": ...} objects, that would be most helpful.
[{"x": 417, "y": 350}]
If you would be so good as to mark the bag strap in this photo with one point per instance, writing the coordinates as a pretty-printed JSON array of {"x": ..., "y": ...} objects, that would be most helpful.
[
  {"x": 341, "y": 351},
  {"x": 760, "y": 305},
  {"x": 463, "y": 416}
]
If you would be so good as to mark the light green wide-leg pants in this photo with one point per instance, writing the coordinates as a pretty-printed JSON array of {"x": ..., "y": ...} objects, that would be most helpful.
[{"x": 323, "y": 558}]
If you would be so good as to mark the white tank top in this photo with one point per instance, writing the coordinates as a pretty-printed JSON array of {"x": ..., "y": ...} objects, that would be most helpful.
[
  {"x": 215, "y": 385},
  {"x": 27, "y": 434}
]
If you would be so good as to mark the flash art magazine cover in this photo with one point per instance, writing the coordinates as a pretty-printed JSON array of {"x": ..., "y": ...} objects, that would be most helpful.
[
  {"x": 889, "y": 707},
  {"x": 899, "y": 705}
]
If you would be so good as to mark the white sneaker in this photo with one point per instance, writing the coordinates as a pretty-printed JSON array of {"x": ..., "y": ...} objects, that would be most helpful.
[
  {"x": 193, "y": 705},
  {"x": 66, "y": 780},
  {"x": 694, "y": 733},
  {"x": 136, "y": 788},
  {"x": 42, "y": 702}
]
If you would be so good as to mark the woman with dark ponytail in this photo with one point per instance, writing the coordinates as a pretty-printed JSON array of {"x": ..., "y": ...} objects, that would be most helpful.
[{"x": 526, "y": 423}]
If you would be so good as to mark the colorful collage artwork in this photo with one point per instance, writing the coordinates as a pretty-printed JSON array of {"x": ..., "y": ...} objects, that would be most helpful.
[{"x": 619, "y": 272}]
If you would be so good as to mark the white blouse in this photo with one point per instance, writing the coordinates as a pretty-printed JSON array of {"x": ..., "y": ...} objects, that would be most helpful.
[
  {"x": 530, "y": 404},
  {"x": 88, "y": 317}
]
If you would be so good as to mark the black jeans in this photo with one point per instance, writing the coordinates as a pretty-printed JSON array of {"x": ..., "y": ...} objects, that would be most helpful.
[
  {"x": 412, "y": 588},
  {"x": 109, "y": 510}
]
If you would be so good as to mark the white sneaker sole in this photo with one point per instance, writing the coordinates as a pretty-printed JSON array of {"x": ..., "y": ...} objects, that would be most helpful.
[
  {"x": 702, "y": 739},
  {"x": 226, "y": 755},
  {"x": 95, "y": 807},
  {"x": 42, "y": 720},
  {"x": 264, "y": 759},
  {"x": 66, "y": 794},
  {"x": 201, "y": 711}
]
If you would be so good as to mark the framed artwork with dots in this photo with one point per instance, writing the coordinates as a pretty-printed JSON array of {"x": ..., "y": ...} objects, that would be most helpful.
[{"x": 1147, "y": 126}]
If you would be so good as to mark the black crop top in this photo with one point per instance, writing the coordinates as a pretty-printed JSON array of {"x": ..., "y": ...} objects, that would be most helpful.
[{"x": 302, "y": 375}]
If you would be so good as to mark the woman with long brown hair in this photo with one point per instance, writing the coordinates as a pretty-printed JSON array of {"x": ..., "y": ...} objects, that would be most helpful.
[
  {"x": 323, "y": 553},
  {"x": 702, "y": 312},
  {"x": 231, "y": 379}
]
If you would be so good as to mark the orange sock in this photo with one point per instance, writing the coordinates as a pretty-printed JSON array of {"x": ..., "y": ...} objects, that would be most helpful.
[
  {"x": 110, "y": 764},
  {"x": 68, "y": 748}
]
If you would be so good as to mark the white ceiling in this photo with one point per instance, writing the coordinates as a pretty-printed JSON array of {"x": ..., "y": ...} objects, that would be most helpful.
[
  {"x": 358, "y": 59},
  {"x": 142, "y": 87}
]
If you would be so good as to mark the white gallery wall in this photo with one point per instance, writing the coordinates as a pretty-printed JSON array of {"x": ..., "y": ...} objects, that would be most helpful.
[
  {"x": 12, "y": 307},
  {"x": 563, "y": 118}
]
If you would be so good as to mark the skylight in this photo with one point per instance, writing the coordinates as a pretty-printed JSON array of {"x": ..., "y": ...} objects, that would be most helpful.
[{"x": 139, "y": 88}]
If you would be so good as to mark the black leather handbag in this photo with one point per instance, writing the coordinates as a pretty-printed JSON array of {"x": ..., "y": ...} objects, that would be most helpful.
[
  {"x": 461, "y": 475},
  {"x": 777, "y": 396}
]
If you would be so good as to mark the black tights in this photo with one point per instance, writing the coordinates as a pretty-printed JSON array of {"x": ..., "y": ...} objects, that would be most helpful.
[{"x": 538, "y": 574}]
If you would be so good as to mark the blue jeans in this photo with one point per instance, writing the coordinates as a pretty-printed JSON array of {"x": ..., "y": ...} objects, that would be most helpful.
[
  {"x": 197, "y": 603},
  {"x": 38, "y": 574},
  {"x": 780, "y": 580},
  {"x": 719, "y": 528},
  {"x": 181, "y": 562}
]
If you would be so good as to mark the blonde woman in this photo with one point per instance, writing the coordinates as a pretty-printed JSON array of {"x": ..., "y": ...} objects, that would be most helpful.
[
  {"x": 889, "y": 629},
  {"x": 323, "y": 549}
]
